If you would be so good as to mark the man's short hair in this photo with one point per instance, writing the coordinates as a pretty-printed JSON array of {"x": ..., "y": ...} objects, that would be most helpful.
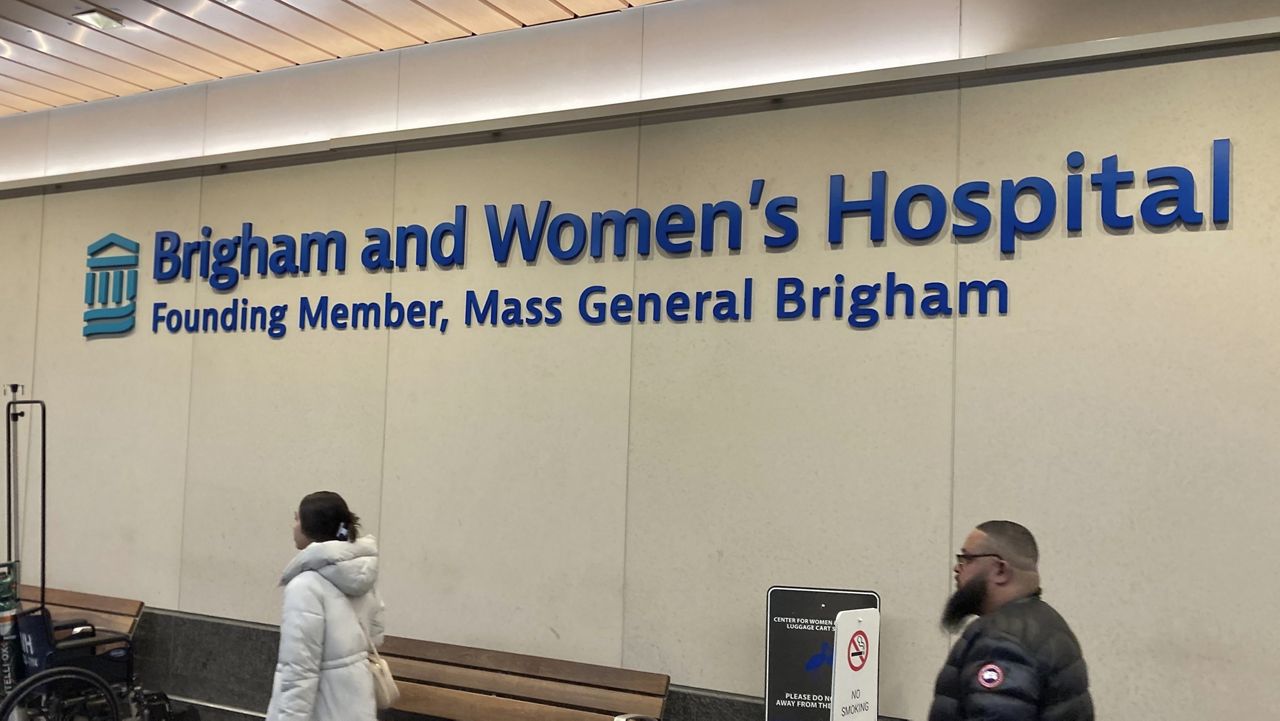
[{"x": 1013, "y": 542}]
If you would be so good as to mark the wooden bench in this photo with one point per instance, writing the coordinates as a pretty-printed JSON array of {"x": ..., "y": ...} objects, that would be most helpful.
[
  {"x": 472, "y": 684},
  {"x": 104, "y": 612}
]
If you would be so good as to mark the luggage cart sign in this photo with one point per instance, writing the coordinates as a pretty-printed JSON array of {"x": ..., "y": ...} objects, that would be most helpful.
[{"x": 801, "y": 649}]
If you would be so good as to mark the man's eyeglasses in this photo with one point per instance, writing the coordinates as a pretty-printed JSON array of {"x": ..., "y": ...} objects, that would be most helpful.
[{"x": 963, "y": 558}]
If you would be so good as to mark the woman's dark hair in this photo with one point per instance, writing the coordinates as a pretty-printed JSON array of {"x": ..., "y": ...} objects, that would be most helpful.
[{"x": 324, "y": 516}]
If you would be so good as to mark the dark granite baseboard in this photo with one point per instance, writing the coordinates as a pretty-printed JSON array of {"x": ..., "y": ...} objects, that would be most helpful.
[
  {"x": 212, "y": 660},
  {"x": 697, "y": 704},
  {"x": 214, "y": 713},
  {"x": 230, "y": 664}
]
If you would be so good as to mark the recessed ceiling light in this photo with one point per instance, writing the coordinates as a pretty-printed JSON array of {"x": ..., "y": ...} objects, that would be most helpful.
[{"x": 101, "y": 19}]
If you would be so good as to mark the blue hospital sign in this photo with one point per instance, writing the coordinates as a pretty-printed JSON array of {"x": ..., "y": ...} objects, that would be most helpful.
[
  {"x": 866, "y": 207},
  {"x": 110, "y": 286}
]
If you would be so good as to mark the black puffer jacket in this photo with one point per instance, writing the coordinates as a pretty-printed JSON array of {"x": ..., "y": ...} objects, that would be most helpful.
[{"x": 1021, "y": 663}]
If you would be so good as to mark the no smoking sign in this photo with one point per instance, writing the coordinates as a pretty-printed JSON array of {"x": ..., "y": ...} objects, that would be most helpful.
[
  {"x": 855, "y": 684},
  {"x": 859, "y": 651}
]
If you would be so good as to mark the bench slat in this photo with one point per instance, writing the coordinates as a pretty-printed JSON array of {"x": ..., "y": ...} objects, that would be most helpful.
[
  {"x": 102, "y": 621},
  {"x": 88, "y": 601},
  {"x": 466, "y": 706},
  {"x": 523, "y": 687},
  {"x": 582, "y": 673}
]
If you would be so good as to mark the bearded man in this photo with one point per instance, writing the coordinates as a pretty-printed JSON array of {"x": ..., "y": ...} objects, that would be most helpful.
[{"x": 1019, "y": 661}]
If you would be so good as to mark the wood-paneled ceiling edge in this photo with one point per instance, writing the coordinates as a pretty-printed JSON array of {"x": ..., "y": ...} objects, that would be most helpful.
[{"x": 50, "y": 58}]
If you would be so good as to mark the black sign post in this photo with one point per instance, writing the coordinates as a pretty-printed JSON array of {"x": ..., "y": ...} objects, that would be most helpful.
[{"x": 798, "y": 652}]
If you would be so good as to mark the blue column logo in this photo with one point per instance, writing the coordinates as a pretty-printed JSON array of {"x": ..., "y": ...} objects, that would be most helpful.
[{"x": 110, "y": 286}]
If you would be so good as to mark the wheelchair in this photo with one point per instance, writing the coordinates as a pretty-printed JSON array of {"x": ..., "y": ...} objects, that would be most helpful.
[
  {"x": 67, "y": 678},
  {"x": 74, "y": 672},
  {"x": 66, "y": 670}
]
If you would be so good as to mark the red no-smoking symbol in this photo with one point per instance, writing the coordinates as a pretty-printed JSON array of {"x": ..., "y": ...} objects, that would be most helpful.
[{"x": 859, "y": 650}]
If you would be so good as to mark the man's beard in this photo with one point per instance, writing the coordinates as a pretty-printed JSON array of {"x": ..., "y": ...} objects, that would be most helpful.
[{"x": 965, "y": 602}]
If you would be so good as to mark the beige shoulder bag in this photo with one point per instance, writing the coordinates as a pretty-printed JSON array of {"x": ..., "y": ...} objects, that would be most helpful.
[{"x": 385, "y": 691}]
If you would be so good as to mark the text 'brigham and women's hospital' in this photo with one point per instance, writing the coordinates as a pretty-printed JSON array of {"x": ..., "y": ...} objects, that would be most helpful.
[{"x": 1010, "y": 212}]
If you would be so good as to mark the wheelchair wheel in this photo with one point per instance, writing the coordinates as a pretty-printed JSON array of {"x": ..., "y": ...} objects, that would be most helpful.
[{"x": 62, "y": 694}]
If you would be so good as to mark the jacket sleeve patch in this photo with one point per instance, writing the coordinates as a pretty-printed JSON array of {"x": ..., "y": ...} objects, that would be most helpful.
[{"x": 990, "y": 676}]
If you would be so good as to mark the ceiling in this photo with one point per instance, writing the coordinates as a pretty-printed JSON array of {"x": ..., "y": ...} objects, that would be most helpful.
[{"x": 49, "y": 59}]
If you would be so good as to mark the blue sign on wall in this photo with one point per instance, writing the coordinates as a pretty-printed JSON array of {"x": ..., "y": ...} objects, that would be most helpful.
[{"x": 1008, "y": 212}]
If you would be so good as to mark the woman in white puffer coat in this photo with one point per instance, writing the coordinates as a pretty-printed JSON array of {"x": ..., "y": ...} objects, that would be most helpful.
[{"x": 331, "y": 612}]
